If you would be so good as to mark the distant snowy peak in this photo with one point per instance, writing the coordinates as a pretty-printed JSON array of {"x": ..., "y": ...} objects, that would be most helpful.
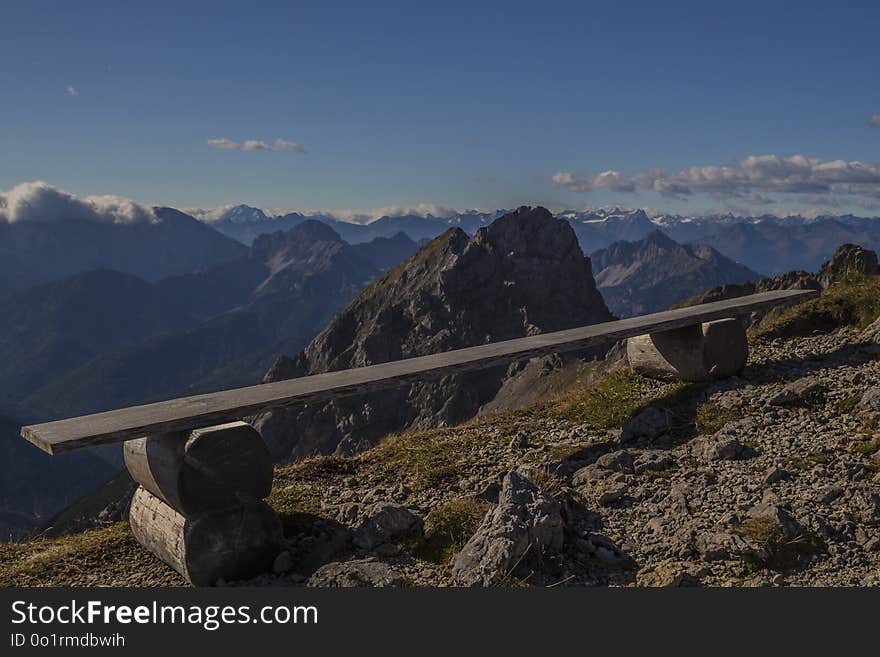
[{"x": 242, "y": 214}]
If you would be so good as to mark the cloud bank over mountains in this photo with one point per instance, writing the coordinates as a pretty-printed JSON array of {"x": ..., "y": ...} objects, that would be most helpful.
[
  {"x": 749, "y": 179},
  {"x": 39, "y": 201},
  {"x": 357, "y": 216}
]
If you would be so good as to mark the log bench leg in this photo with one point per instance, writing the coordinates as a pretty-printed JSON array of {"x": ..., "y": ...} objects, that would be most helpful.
[
  {"x": 716, "y": 349},
  {"x": 198, "y": 505}
]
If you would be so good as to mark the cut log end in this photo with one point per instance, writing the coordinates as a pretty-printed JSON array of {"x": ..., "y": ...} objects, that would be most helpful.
[
  {"x": 669, "y": 354},
  {"x": 210, "y": 468},
  {"x": 716, "y": 349},
  {"x": 229, "y": 544}
]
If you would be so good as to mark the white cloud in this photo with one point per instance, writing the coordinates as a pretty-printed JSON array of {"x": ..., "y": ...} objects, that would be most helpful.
[
  {"x": 207, "y": 214},
  {"x": 874, "y": 121},
  {"x": 40, "y": 202},
  {"x": 368, "y": 215},
  {"x": 72, "y": 91},
  {"x": 284, "y": 145},
  {"x": 750, "y": 178},
  {"x": 225, "y": 144},
  {"x": 255, "y": 145}
]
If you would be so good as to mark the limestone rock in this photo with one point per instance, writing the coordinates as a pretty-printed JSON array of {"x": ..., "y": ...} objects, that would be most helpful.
[
  {"x": 384, "y": 522},
  {"x": 724, "y": 546},
  {"x": 669, "y": 574},
  {"x": 870, "y": 400},
  {"x": 717, "y": 447},
  {"x": 648, "y": 424},
  {"x": 803, "y": 391},
  {"x": 356, "y": 573},
  {"x": 525, "y": 524},
  {"x": 848, "y": 260},
  {"x": 655, "y": 460},
  {"x": 619, "y": 461}
]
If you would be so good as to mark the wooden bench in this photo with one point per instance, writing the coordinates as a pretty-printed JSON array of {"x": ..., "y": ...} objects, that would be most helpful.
[{"x": 203, "y": 473}]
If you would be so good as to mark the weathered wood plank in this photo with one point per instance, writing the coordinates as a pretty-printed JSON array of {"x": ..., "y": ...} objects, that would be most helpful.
[{"x": 189, "y": 413}]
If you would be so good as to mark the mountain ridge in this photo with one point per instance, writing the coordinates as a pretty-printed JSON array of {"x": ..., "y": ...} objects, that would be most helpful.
[{"x": 656, "y": 272}]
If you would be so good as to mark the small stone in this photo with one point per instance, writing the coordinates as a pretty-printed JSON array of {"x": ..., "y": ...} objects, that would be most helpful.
[
  {"x": 649, "y": 424},
  {"x": 611, "y": 492},
  {"x": 668, "y": 574},
  {"x": 385, "y": 521},
  {"x": 357, "y": 573},
  {"x": 775, "y": 474},
  {"x": 723, "y": 546},
  {"x": 653, "y": 460},
  {"x": 803, "y": 391},
  {"x": 870, "y": 400},
  {"x": 718, "y": 448},
  {"x": 828, "y": 494},
  {"x": 589, "y": 474},
  {"x": 781, "y": 517},
  {"x": 283, "y": 563},
  {"x": 620, "y": 461}
]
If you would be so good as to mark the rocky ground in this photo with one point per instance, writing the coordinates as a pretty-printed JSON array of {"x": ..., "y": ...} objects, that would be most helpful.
[{"x": 770, "y": 478}]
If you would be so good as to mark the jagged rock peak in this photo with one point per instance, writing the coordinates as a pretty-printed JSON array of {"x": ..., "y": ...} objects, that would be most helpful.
[
  {"x": 848, "y": 260},
  {"x": 522, "y": 275}
]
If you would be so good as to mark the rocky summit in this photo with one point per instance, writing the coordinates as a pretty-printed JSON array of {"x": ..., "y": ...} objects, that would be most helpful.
[{"x": 524, "y": 274}]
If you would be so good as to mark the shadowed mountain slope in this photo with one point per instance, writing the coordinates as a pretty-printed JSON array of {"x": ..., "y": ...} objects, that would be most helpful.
[{"x": 524, "y": 274}]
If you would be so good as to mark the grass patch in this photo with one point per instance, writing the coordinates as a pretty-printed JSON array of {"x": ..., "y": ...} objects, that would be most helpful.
[
  {"x": 866, "y": 448},
  {"x": 425, "y": 459},
  {"x": 854, "y": 301},
  {"x": 605, "y": 404},
  {"x": 301, "y": 487},
  {"x": 871, "y": 424},
  {"x": 848, "y": 404},
  {"x": 448, "y": 528},
  {"x": 710, "y": 417},
  {"x": 294, "y": 499},
  {"x": 667, "y": 473},
  {"x": 819, "y": 458},
  {"x": 782, "y": 552},
  {"x": 73, "y": 558}
]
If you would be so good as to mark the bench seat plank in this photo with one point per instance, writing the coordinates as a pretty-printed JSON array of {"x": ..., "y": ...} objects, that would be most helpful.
[{"x": 188, "y": 413}]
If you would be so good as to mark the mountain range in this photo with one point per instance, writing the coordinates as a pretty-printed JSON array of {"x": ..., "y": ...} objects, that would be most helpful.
[
  {"x": 768, "y": 244},
  {"x": 103, "y": 339},
  {"x": 33, "y": 252},
  {"x": 245, "y": 223},
  {"x": 656, "y": 272},
  {"x": 97, "y": 315}
]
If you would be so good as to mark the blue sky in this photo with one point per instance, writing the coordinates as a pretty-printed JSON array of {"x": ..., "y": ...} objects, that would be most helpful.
[{"x": 461, "y": 105}]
